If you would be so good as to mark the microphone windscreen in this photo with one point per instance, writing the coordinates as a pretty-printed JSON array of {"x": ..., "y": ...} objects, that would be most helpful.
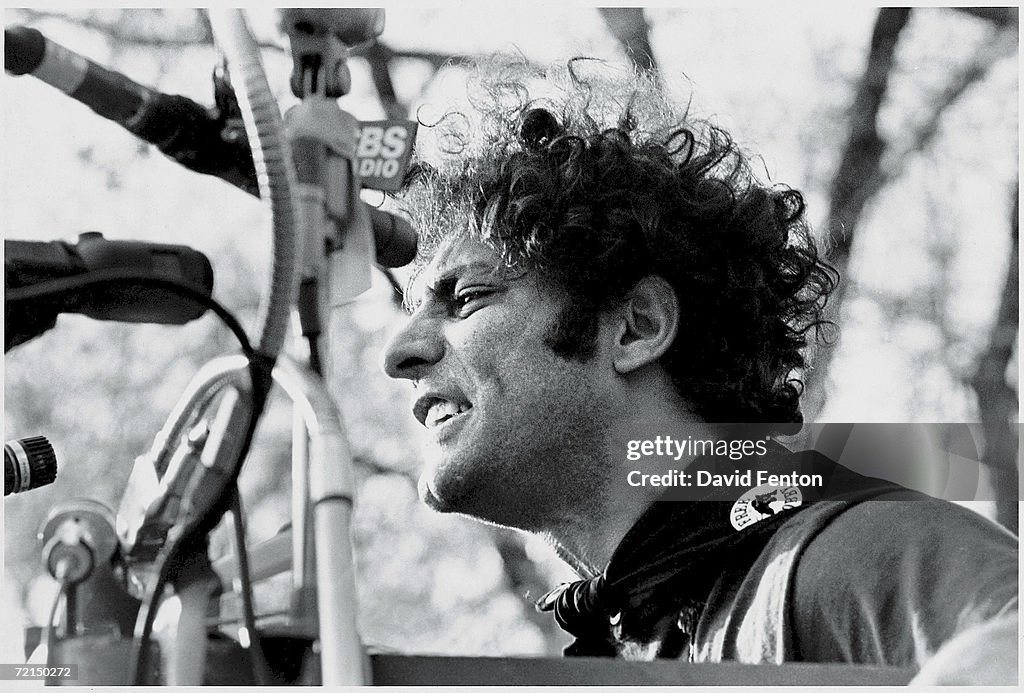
[
  {"x": 24, "y": 49},
  {"x": 395, "y": 238}
]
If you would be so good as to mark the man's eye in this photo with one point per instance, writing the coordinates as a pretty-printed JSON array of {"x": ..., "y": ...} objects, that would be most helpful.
[{"x": 466, "y": 301}]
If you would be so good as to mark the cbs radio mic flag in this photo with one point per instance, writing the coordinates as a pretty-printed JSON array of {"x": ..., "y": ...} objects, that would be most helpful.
[{"x": 382, "y": 156}]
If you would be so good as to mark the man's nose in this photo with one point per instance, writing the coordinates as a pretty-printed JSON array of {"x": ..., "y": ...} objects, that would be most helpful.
[{"x": 415, "y": 348}]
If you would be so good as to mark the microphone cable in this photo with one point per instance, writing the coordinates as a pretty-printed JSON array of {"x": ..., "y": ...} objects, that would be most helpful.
[{"x": 176, "y": 540}]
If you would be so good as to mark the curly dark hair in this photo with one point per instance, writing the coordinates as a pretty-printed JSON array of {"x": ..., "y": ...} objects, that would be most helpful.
[{"x": 602, "y": 182}]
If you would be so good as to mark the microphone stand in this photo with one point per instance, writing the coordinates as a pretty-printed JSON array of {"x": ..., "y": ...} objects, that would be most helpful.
[
  {"x": 337, "y": 251},
  {"x": 195, "y": 458}
]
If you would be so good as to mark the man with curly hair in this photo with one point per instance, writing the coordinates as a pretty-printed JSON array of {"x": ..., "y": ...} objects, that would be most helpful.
[{"x": 596, "y": 269}]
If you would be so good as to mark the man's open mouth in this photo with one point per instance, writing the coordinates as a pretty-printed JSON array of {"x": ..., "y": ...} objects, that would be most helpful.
[
  {"x": 441, "y": 412},
  {"x": 433, "y": 411}
]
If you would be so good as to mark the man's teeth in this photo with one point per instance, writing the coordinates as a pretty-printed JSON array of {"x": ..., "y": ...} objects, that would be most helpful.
[{"x": 442, "y": 411}]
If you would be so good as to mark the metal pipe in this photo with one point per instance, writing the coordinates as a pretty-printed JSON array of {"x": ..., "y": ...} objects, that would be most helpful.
[
  {"x": 331, "y": 490},
  {"x": 328, "y": 469},
  {"x": 302, "y": 608},
  {"x": 266, "y": 559}
]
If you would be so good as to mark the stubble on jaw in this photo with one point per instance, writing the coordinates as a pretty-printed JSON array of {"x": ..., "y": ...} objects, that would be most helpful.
[{"x": 530, "y": 489}]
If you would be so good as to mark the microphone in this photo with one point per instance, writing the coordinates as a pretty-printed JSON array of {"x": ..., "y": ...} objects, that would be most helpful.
[
  {"x": 189, "y": 133},
  {"x": 28, "y": 463},
  {"x": 394, "y": 238},
  {"x": 179, "y": 127},
  {"x": 43, "y": 279}
]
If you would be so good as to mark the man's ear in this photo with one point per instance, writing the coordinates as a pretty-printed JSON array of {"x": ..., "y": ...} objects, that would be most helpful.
[{"x": 647, "y": 322}]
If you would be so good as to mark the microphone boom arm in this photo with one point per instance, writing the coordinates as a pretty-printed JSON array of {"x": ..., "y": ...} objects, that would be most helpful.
[{"x": 199, "y": 138}]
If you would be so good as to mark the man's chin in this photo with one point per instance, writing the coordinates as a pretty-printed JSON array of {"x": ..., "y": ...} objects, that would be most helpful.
[
  {"x": 446, "y": 494},
  {"x": 458, "y": 504},
  {"x": 432, "y": 499}
]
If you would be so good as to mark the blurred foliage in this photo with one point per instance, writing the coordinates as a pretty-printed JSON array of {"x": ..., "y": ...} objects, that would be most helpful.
[{"x": 924, "y": 277}]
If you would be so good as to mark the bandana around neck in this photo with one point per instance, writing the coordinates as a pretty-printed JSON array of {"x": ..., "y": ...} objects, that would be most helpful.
[{"x": 669, "y": 561}]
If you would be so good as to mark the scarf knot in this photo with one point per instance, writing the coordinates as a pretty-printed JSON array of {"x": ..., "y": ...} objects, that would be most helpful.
[
  {"x": 584, "y": 610},
  {"x": 579, "y": 607}
]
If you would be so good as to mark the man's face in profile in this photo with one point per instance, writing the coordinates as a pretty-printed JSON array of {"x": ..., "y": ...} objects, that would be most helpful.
[{"x": 512, "y": 425}]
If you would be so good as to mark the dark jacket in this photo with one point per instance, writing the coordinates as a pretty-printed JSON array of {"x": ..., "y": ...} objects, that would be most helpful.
[{"x": 884, "y": 581}]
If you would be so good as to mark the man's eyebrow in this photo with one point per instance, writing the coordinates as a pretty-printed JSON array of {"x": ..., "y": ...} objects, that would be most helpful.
[{"x": 445, "y": 282}]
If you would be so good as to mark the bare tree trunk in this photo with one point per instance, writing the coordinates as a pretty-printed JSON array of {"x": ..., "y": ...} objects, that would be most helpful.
[
  {"x": 997, "y": 399},
  {"x": 856, "y": 181},
  {"x": 868, "y": 164}
]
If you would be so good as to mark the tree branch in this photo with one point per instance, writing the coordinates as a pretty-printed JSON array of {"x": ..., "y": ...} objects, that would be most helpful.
[
  {"x": 988, "y": 53},
  {"x": 379, "y": 57},
  {"x": 1000, "y": 16},
  {"x": 997, "y": 400},
  {"x": 436, "y": 60},
  {"x": 527, "y": 583},
  {"x": 200, "y": 34},
  {"x": 629, "y": 26},
  {"x": 375, "y": 468}
]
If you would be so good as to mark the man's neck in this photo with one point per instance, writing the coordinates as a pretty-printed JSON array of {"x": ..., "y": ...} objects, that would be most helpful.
[
  {"x": 587, "y": 544},
  {"x": 586, "y": 535}
]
